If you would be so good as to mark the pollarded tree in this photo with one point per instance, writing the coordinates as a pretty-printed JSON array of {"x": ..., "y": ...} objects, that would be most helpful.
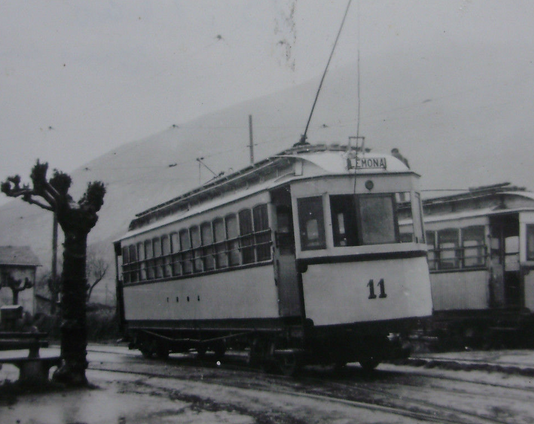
[
  {"x": 76, "y": 219},
  {"x": 17, "y": 286}
]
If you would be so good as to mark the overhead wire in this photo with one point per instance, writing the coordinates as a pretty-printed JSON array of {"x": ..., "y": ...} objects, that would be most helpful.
[{"x": 304, "y": 136}]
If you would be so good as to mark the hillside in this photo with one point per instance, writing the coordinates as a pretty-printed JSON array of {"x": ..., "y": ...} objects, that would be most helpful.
[{"x": 456, "y": 133}]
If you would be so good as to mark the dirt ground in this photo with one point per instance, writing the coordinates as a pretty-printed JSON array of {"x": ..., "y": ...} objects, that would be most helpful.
[{"x": 181, "y": 391}]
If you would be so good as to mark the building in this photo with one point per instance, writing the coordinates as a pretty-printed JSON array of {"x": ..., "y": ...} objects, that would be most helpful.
[{"x": 18, "y": 266}]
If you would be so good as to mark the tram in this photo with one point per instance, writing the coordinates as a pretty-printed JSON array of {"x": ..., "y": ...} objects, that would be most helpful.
[
  {"x": 298, "y": 259},
  {"x": 481, "y": 257}
]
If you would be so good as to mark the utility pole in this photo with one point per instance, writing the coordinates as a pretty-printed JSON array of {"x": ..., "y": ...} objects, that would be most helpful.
[
  {"x": 251, "y": 146},
  {"x": 54, "y": 265}
]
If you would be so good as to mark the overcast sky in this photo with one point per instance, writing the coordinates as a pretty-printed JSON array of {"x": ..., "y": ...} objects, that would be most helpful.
[{"x": 79, "y": 78}]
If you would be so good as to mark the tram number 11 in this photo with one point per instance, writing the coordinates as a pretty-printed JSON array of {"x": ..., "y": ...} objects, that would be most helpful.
[{"x": 381, "y": 286}]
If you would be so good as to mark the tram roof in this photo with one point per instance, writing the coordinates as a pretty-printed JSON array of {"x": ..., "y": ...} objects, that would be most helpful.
[
  {"x": 332, "y": 159},
  {"x": 472, "y": 214},
  {"x": 490, "y": 200},
  {"x": 482, "y": 191}
]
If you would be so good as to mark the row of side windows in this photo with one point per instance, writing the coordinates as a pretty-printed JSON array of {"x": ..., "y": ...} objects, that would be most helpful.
[
  {"x": 455, "y": 248},
  {"x": 235, "y": 240}
]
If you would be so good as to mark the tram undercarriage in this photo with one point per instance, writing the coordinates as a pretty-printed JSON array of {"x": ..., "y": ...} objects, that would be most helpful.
[{"x": 284, "y": 349}]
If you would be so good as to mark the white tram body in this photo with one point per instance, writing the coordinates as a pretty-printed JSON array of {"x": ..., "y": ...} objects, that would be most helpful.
[
  {"x": 480, "y": 255},
  {"x": 298, "y": 255}
]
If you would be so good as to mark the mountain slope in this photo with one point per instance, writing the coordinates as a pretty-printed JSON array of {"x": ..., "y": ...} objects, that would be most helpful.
[{"x": 457, "y": 125}]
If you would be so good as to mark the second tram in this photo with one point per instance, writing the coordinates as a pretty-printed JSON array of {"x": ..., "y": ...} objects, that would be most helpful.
[{"x": 481, "y": 258}]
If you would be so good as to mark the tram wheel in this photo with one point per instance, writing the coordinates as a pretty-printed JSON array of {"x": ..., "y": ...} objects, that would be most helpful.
[
  {"x": 289, "y": 365},
  {"x": 147, "y": 353},
  {"x": 201, "y": 351},
  {"x": 219, "y": 349},
  {"x": 340, "y": 366},
  {"x": 256, "y": 353},
  {"x": 369, "y": 364},
  {"x": 162, "y": 350}
]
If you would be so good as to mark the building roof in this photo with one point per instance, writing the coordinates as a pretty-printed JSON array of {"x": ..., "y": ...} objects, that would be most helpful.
[{"x": 18, "y": 255}]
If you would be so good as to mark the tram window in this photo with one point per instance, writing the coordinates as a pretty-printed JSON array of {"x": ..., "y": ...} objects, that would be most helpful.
[
  {"x": 474, "y": 248},
  {"x": 431, "y": 253},
  {"x": 511, "y": 245},
  {"x": 418, "y": 219},
  {"x": 219, "y": 235},
  {"x": 158, "y": 260},
  {"x": 197, "y": 251},
  {"x": 185, "y": 244},
  {"x": 125, "y": 256},
  {"x": 344, "y": 222},
  {"x": 404, "y": 213},
  {"x": 377, "y": 219},
  {"x": 233, "y": 243},
  {"x": 142, "y": 263},
  {"x": 125, "y": 267},
  {"x": 311, "y": 222},
  {"x": 149, "y": 261},
  {"x": 403, "y": 197},
  {"x": 284, "y": 235},
  {"x": 207, "y": 243},
  {"x": 262, "y": 235},
  {"x": 175, "y": 243},
  {"x": 448, "y": 249},
  {"x": 166, "y": 251},
  {"x": 284, "y": 221},
  {"x": 530, "y": 242},
  {"x": 133, "y": 261},
  {"x": 175, "y": 259},
  {"x": 246, "y": 236}
]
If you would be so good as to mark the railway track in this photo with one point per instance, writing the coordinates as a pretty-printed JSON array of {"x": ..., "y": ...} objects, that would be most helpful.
[
  {"x": 431, "y": 398},
  {"x": 386, "y": 392}
]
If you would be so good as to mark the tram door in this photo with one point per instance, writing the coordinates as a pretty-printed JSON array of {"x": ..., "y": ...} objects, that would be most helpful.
[
  {"x": 287, "y": 279},
  {"x": 505, "y": 279}
]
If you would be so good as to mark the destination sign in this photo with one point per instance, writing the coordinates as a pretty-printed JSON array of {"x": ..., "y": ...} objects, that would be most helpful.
[{"x": 367, "y": 163}]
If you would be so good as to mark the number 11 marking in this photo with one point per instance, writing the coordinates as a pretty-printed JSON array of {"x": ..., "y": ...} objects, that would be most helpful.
[{"x": 381, "y": 285}]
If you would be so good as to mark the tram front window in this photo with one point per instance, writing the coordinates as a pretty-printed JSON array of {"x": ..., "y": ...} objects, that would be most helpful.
[
  {"x": 377, "y": 219},
  {"x": 311, "y": 222},
  {"x": 344, "y": 224},
  {"x": 360, "y": 220}
]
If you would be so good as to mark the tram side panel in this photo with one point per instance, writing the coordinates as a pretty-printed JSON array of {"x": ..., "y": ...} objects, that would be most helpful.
[
  {"x": 360, "y": 292},
  {"x": 247, "y": 294},
  {"x": 460, "y": 290}
]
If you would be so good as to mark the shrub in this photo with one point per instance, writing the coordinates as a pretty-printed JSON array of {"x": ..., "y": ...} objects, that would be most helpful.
[{"x": 102, "y": 323}]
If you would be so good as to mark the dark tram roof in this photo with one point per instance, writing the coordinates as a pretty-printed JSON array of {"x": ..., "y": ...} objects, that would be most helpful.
[{"x": 474, "y": 192}]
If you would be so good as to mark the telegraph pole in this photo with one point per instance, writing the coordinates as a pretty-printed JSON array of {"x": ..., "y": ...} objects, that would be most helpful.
[{"x": 54, "y": 266}]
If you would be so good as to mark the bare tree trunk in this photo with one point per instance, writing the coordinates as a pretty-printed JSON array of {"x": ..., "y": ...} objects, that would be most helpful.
[{"x": 73, "y": 309}]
